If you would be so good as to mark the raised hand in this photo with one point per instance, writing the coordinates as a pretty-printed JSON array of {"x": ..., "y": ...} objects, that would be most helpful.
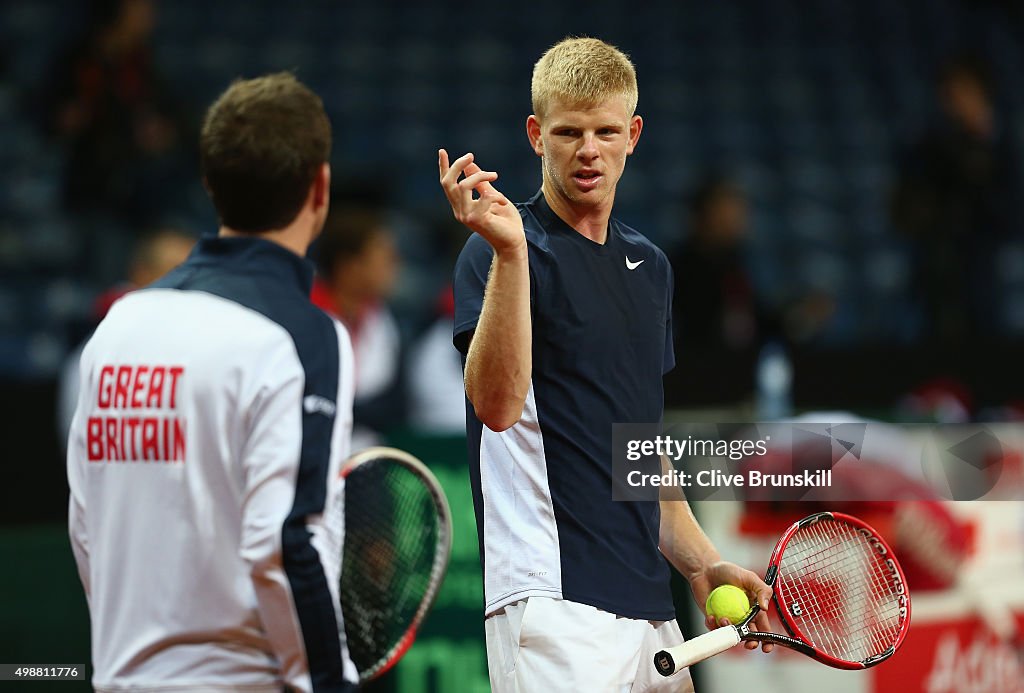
[{"x": 489, "y": 213}]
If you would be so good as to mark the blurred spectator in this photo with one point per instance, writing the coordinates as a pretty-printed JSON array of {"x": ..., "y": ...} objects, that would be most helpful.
[
  {"x": 714, "y": 304},
  {"x": 437, "y": 395},
  {"x": 955, "y": 198},
  {"x": 358, "y": 265},
  {"x": 153, "y": 257},
  {"x": 106, "y": 100}
]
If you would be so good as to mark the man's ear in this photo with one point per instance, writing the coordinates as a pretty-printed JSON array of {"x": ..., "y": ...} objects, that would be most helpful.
[
  {"x": 322, "y": 187},
  {"x": 636, "y": 125},
  {"x": 533, "y": 132}
]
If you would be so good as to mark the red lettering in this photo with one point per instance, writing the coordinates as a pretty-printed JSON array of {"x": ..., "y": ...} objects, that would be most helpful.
[
  {"x": 111, "y": 442},
  {"x": 106, "y": 373},
  {"x": 175, "y": 372},
  {"x": 155, "y": 398},
  {"x": 94, "y": 438},
  {"x": 124, "y": 377},
  {"x": 132, "y": 426},
  {"x": 136, "y": 439},
  {"x": 140, "y": 382},
  {"x": 150, "y": 450},
  {"x": 179, "y": 440},
  {"x": 165, "y": 440}
]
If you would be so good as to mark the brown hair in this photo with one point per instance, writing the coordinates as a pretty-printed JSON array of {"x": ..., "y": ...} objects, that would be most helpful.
[
  {"x": 582, "y": 72},
  {"x": 261, "y": 146}
]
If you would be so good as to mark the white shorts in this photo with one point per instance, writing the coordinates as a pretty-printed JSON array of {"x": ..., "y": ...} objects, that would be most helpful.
[{"x": 541, "y": 644}]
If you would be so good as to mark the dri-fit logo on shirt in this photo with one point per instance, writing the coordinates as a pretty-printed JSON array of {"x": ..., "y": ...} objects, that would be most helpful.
[
  {"x": 140, "y": 423},
  {"x": 315, "y": 404}
]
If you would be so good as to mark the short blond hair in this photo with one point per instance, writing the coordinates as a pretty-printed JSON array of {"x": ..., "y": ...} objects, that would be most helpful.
[{"x": 582, "y": 72}]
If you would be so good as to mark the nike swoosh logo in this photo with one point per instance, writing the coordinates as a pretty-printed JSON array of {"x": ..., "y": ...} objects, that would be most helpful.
[{"x": 633, "y": 265}]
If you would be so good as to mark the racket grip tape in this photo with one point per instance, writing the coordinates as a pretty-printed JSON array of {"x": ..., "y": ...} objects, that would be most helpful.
[{"x": 671, "y": 660}]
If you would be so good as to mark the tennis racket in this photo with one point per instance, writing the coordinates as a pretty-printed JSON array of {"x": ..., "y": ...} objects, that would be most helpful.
[
  {"x": 838, "y": 591},
  {"x": 398, "y": 537}
]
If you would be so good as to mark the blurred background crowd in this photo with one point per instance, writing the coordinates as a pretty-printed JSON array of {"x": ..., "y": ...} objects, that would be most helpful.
[
  {"x": 839, "y": 186},
  {"x": 841, "y": 178}
]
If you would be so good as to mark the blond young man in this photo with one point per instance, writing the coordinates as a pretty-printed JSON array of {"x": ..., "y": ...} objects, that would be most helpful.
[{"x": 563, "y": 315}]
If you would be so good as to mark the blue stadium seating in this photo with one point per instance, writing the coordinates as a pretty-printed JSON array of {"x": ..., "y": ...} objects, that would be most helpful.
[{"x": 808, "y": 104}]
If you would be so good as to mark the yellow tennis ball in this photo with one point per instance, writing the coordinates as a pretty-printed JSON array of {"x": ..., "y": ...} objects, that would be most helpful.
[{"x": 728, "y": 601}]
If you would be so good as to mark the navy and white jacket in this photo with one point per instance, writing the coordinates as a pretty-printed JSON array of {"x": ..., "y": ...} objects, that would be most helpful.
[
  {"x": 602, "y": 339},
  {"x": 206, "y": 512}
]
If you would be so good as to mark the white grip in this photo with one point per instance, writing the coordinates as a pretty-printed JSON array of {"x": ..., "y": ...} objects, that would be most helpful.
[{"x": 700, "y": 648}]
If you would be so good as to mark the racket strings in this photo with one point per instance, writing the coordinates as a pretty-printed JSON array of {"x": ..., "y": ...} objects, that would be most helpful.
[
  {"x": 839, "y": 591},
  {"x": 837, "y": 604},
  {"x": 832, "y": 604},
  {"x": 391, "y": 537},
  {"x": 858, "y": 600}
]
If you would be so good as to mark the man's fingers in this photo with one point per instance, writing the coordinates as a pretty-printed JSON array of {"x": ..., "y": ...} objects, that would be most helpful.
[
  {"x": 467, "y": 210},
  {"x": 478, "y": 180},
  {"x": 492, "y": 196},
  {"x": 761, "y": 622},
  {"x": 460, "y": 164},
  {"x": 752, "y": 644},
  {"x": 442, "y": 163},
  {"x": 473, "y": 169},
  {"x": 755, "y": 586},
  {"x": 762, "y": 625},
  {"x": 449, "y": 178},
  {"x": 459, "y": 198}
]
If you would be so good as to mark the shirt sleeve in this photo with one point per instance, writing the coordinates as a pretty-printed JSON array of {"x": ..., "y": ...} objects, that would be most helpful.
[
  {"x": 76, "y": 461},
  {"x": 333, "y": 519},
  {"x": 470, "y": 281},
  {"x": 273, "y": 476},
  {"x": 270, "y": 466}
]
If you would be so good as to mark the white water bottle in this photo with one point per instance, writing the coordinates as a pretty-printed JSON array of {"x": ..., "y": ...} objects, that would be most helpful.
[{"x": 774, "y": 383}]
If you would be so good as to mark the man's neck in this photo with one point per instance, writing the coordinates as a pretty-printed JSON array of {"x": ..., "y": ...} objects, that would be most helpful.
[
  {"x": 589, "y": 221},
  {"x": 291, "y": 237}
]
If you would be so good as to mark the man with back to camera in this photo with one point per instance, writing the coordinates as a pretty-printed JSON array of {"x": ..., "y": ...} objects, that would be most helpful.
[
  {"x": 563, "y": 318},
  {"x": 214, "y": 414}
]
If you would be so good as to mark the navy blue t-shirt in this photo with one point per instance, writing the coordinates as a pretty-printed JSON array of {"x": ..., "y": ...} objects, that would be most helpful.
[{"x": 602, "y": 340}]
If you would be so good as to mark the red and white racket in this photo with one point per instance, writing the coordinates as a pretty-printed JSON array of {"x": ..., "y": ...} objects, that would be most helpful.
[{"x": 838, "y": 590}]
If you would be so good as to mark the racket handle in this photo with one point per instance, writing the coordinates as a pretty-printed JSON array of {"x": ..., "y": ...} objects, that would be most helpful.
[{"x": 671, "y": 660}]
